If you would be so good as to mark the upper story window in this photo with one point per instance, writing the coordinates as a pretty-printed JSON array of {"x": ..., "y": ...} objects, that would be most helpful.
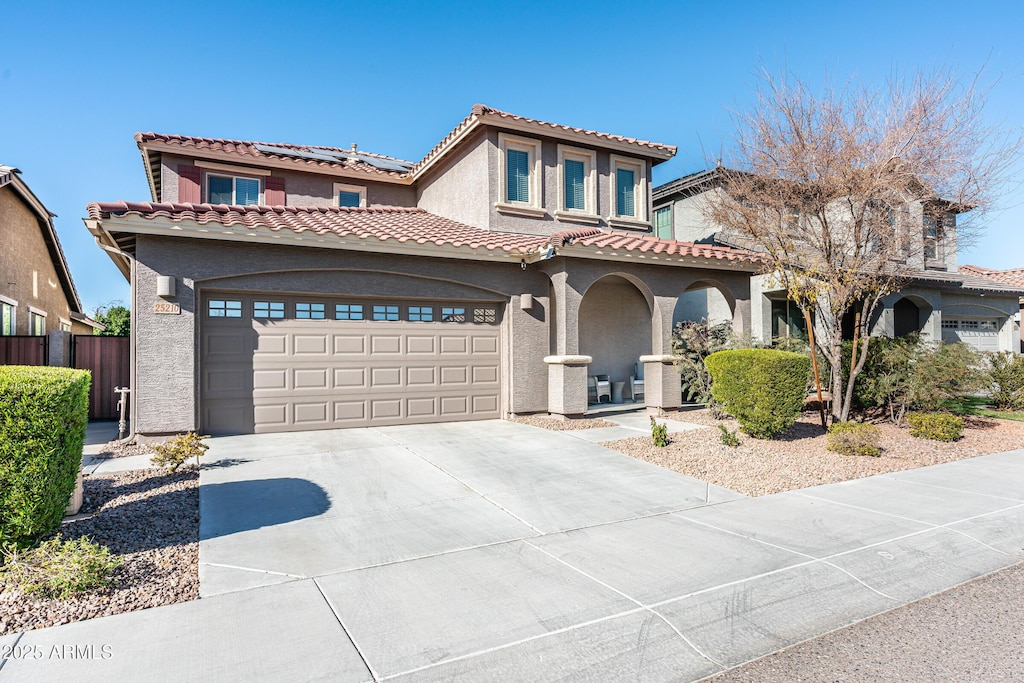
[
  {"x": 663, "y": 222},
  {"x": 36, "y": 322},
  {"x": 520, "y": 176},
  {"x": 629, "y": 192},
  {"x": 349, "y": 195},
  {"x": 577, "y": 185},
  {"x": 7, "y": 309},
  {"x": 65, "y": 325},
  {"x": 235, "y": 190},
  {"x": 933, "y": 234}
]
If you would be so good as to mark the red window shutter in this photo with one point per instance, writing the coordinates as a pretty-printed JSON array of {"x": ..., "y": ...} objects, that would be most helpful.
[
  {"x": 189, "y": 191},
  {"x": 275, "y": 195}
]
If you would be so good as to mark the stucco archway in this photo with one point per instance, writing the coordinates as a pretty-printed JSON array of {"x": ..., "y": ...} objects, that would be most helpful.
[
  {"x": 705, "y": 300},
  {"x": 614, "y": 326}
]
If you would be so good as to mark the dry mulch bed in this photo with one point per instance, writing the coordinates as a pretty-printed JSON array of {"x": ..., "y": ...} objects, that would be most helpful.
[
  {"x": 150, "y": 518},
  {"x": 799, "y": 459},
  {"x": 559, "y": 425},
  {"x": 116, "y": 449}
]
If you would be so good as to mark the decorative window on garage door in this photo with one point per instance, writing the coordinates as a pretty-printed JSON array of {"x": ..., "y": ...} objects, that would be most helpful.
[
  {"x": 222, "y": 308},
  {"x": 268, "y": 309}
]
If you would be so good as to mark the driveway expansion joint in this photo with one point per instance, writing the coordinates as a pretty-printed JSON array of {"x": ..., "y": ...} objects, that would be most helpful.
[
  {"x": 348, "y": 634},
  {"x": 17, "y": 639}
]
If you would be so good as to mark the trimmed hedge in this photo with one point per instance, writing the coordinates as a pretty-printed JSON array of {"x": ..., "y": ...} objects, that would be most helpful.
[
  {"x": 936, "y": 426},
  {"x": 43, "y": 415},
  {"x": 762, "y": 388}
]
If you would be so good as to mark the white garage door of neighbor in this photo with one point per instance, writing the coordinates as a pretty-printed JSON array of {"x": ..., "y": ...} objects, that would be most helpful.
[
  {"x": 287, "y": 363},
  {"x": 981, "y": 333}
]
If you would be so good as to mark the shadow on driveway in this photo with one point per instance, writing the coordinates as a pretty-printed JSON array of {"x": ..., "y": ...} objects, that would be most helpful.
[{"x": 231, "y": 507}]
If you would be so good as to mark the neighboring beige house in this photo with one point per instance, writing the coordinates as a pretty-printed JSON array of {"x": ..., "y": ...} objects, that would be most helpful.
[
  {"x": 940, "y": 301},
  {"x": 37, "y": 294},
  {"x": 1013, "y": 277},
  {"x": 280, "y": 287}
]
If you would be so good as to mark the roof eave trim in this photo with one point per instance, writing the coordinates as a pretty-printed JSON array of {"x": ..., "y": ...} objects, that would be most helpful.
[{"x": 661, "y": 153}]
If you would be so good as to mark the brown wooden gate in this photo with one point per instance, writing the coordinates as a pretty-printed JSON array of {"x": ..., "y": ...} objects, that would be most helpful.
[
  {"x": 108, "y": 358},
  {"x": 23, "y": 350}
]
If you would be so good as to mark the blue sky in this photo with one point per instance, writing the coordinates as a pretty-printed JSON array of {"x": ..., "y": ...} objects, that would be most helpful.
[{"x": 78, "y": 79}]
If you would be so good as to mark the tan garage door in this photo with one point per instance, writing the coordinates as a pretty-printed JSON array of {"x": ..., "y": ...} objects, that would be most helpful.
[{"x": 275, "y": 363}]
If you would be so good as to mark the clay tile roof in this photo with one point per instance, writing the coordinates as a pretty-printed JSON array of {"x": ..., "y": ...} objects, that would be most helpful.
[
  {"x": 631, "y": 242},
  {"x": 378, "y": 223},
  {"x": 1014, "y": 276},
  {"x": 244, "y": 148}
]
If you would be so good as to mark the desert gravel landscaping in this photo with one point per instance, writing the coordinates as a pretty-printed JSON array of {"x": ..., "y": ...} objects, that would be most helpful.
[
  {"x": 149, "y": 518},
  {"x": 559, "y": 425},
  {"x": 799, "y": 459}
]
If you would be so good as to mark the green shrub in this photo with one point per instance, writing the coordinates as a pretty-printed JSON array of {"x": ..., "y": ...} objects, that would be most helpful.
[
  {"x": 728, "y": 438},
  {"x": 854, "y": 438},
  {"x": 59, "y": 569},
  {"x": 936, "y": 426},
  {"x": 43, "y": 415},
  {"x": 659, "y": 433},
  {"x": 1006, "y": 371},
  {"x": 909, "y": 374},
  {"x": 762, "y": 388},
  {"x": 176, "y": 451}
]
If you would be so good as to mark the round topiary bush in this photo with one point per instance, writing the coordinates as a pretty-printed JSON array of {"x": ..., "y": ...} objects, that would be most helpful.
[{"x": 762, "y": 388}]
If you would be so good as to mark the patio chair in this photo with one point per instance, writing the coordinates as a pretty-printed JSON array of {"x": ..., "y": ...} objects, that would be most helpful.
[
  {"x": 636, "y": 380},
  {"x": 599, "y": 385}
]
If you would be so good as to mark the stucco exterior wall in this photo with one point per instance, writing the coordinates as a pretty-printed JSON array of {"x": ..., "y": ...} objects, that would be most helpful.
[
  {"x": 166, "y": 394},
  {"x": 29, "y": 276},
  {"x": 455, "y": 187},
  {"x": 689, "y": 224}
]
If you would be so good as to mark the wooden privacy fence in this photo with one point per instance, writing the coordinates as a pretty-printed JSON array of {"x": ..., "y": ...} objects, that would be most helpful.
[
  {"x": 24, "y": 350},
  {"x": 108, "y": 358}
]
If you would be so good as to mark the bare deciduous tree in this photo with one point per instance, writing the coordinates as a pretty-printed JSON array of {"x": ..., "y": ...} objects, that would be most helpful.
[{"x": 846, "y": 191}]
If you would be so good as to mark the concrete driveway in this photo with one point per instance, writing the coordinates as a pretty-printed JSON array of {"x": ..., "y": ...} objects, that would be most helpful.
[{"x": 497, "y": 551}]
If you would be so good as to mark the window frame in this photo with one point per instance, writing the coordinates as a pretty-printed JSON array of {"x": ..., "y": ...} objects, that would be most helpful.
[
  {"x": 534, "y": 207},
  {"x": 35, "y": 314},
  {"x": 234, "y": 186},
  {"x": 588, "y": 214},
  {"x": 13, "y": 305},
  {"x": 639, "y": 220},
  {"x": 225, "y": 309},
  {"x": 353, "y": 189},
  {"x": 269, "y": 312},
  {"x": 654, "y": 222},
  {"x": 935, "y": 242}
]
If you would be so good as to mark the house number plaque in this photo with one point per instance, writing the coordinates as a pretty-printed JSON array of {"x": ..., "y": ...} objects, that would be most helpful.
[{"x": 165, "y": 308}]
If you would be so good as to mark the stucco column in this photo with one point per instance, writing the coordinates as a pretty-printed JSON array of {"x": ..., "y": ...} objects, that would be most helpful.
[
  {"x": 663, "y": 386},
  {"x": 567, "y": 384},
  {"x": 566, "y": 318}
]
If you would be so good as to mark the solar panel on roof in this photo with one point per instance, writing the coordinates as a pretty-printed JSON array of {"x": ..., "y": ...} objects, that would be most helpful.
[
  {"x": 318, "y": 156},
  {"x": 386, "y": 164},
  {"x": 337, "y": 157}
]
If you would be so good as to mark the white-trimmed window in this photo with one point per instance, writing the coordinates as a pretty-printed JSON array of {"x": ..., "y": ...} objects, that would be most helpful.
[
  {"x": 577, "y": 185},
  {"x": 65, "y": 325},
  {"x": 36, "y": 322},
  {"x": 271, "y": 310},
  {"x": 310, "y": 311},
  {"x": 221, "y": 308},
  {"x": 8, "y": 309},
  {"x": 520, "y": 176},
  {"x": 628, "y": 193},
  {"x": 232, "y": 189},
  {"x": 663, "y": 222},
  {"x": 349, "y": 195}
]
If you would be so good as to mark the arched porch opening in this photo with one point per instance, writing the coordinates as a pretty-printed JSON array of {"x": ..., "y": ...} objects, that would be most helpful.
[
  {"x": 909, "y": 316},
  {"x": 615, "y": 321},
  {"x": 705, "y": 300}
]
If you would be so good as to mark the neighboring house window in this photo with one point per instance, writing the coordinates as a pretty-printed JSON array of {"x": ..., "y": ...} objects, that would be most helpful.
[
  {"x": 349, "y": 195},
  {"x": 933, "y": 236},
  {"x": 520, "y": 175},
  {"x": 421, "y": 313},
  {"x": 348, "y": 311},
  {"x": 36, "y": 323},
  {"x": 268, "y": 309},
  {"x": 235, "y": 190},
  {"x": 577, "y": 185},
  {"x": 384, "y": 312},
  {"x": 629, "y": 191},
  {"x": 663, "y": 222},
  {"x": 219, "y": 308},
  {"x": 7, "y": 309},
  {"x": 309, "y": 311}
]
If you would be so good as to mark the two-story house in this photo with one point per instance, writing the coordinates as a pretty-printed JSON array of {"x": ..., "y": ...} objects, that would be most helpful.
[
  {"x": 937, "y": 301},
  {"x": 281, "y": 287},
  {"x": 37, "y": 294}
]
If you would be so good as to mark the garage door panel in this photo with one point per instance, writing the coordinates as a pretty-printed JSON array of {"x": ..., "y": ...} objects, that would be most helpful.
[{"x": 292, "y": 374}]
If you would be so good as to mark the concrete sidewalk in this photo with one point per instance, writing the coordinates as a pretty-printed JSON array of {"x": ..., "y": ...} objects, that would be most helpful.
[{"x": 429, "y": 553}]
